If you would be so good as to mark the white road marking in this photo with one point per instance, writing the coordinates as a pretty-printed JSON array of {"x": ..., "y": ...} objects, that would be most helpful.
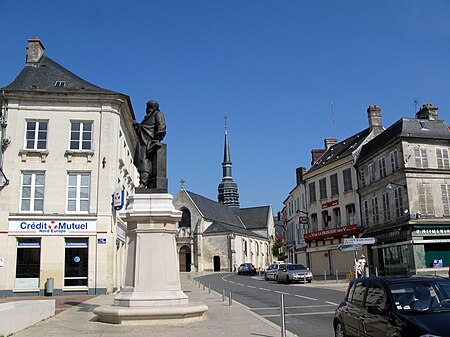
[
  {"x": 331, "y": 303},
  {"x": 306, "y": 297},
  {"x": 280, "y": 292},
  {"x": 264, "y": 289},
  {"x": 302, "y": 314},
  {"x": 231, "y": 282},
  {"x": 251, "y": 287},
  {"x": 240, "y": 284},
  {"x": 296, "y": 307}
]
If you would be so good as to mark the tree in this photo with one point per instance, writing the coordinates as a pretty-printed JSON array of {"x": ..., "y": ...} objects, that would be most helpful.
[{"x": 277, "y": 249}]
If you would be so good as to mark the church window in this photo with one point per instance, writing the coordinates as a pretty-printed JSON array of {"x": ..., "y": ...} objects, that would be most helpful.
[{"x": 185, "y": 218}]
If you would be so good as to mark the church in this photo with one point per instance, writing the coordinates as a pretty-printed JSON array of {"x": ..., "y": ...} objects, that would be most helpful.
[{"x": 216, "y": 235}]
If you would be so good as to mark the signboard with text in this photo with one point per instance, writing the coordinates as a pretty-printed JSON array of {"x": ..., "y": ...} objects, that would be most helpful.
[
  {"x": 52, "y": 227},
  {"x": 330, "y": 232},
  {"x": 361, "y": 241},
  {"x": 349, "y": 248}
]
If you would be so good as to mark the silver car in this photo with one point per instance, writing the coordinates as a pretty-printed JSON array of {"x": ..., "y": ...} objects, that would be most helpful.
[
  {"x": 294, "y": 273},
  {"x": 271, "y": 272}
]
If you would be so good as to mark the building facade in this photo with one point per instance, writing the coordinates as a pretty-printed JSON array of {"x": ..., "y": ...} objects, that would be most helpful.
[
  {"x": 404, "y": 179},
  {"x": 67, "y": 150}
]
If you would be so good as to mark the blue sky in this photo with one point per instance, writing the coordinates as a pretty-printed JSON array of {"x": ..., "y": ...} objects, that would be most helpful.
[{"x": 273, "y": 66}]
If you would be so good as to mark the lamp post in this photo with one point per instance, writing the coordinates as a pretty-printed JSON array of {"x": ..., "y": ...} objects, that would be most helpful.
[{"x": 390, "y": 185}]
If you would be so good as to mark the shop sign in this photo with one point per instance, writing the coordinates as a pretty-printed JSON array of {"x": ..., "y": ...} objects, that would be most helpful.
[
  {"x": 330, "y": 204},
  {"x": 119, "y": 198},
  {"x": 432, "y": 231},
  {"x": 101, "y": 241},
  {"x": 330, "y": 232},
  {"x": 52, "y": 227}
]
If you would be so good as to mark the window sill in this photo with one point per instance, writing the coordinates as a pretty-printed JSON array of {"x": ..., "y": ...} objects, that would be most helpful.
[
  {"x": 29, "y": 290},
  {"x": 25, "y": 153},
  {"x": 79, "y": 153}
]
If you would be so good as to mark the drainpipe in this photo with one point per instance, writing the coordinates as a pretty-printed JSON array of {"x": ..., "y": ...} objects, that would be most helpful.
[{"x": 4, "y": 142}]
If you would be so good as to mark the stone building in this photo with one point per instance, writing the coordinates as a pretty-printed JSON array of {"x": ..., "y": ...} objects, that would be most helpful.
[
  {"x": 212, "y": 235},
  {"x": 66, "y": 149},
  {"x": 404, "y": 185}
]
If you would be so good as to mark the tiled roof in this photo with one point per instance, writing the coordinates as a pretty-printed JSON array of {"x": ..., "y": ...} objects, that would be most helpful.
[
  {"x": 42, "y": 76},
  {"x": 255, "y": 217},
  {"x": 340, "y": 150},
  {"x": 220, "y": 228},
  {"x": 406, "y": 128}
]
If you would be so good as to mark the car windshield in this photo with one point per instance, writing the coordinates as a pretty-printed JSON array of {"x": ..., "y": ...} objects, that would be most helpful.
[
  {"x": 427, "y": 295},
  {"x": 295, "y": 267}
]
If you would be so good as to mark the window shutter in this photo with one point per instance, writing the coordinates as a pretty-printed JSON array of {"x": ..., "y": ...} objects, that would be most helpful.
[
  {"x": 445, "y": 200},
  {"x": 423, "y": 153},
  {"x": 439, "y": 158}
]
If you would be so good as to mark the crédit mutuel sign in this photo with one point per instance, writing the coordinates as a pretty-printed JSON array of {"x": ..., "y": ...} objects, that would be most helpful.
[{"x": 52, "y": 227}]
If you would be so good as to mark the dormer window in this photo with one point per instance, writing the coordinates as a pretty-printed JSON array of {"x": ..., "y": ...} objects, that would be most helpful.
[
  {"x": 60, "y": 83},
  {"x": 424, "y": 126}
]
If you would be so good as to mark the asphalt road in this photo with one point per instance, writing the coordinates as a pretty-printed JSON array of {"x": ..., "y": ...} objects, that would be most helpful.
[{"x": 309, "y": 310}]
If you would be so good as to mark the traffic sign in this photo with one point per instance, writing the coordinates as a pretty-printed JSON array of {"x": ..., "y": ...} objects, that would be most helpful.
[
  {"x": 350, "y": 248},
  {"x": 361, "y": 241}
]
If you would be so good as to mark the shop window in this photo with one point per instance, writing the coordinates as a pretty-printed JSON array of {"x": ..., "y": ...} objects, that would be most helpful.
[
  {"x": 28, "y": 263},
  {"x": 76, "y": 263},
  {"x": 78, "y": 190},
  {"x": 32, "y": 192}
]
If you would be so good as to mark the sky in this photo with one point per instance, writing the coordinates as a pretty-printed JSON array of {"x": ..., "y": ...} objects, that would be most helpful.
[{"x": 287, "y": 73}]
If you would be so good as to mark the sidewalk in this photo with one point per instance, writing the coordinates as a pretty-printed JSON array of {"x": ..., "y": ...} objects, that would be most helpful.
[{"x": 219, "y": 320}]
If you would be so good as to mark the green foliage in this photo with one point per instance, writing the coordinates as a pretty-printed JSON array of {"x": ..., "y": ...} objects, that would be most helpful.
[{"x": 277, "y": 249}]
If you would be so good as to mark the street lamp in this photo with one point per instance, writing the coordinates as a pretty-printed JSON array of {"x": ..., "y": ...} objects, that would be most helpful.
[{"x": 389, "y": 186}]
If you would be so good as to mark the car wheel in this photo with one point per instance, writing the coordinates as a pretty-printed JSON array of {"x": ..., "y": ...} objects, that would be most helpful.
[
  {"x": 339, "y": 330},
  {"x": 287, "y": 279},
  {"x": 278, "y": 279},
  {"x": 266, "y": 278},
  {"x": 309, "y": 281}
]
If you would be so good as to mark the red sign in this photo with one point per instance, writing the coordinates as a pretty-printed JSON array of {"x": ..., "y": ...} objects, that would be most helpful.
[
  {"x": 330, "y": 204},
  {"x": 330, "y": 232}
]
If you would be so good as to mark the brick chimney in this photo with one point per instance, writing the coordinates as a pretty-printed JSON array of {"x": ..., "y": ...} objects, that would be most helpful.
[
  {"x": 329, "y": 142},
  {"x": 35, "y": 50},
  {"x": 299, "y": 173},
  {"x": 428, "y": 111},
  {"x": 375, "y": 123},
  {"x": 316, "y": 154}
]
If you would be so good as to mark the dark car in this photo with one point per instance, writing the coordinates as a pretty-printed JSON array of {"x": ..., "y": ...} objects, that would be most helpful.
[
  {"x": 246, "y": 268},
  {"x": 416, "y": 306},
  {"x": 294, "y": 273}
]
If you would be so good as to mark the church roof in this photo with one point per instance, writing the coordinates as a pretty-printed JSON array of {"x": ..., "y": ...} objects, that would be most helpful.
[
  {"x": 48, "y": 76},
  {"x": 217, "y": 227},
  {"x": 255, "y": 217}
]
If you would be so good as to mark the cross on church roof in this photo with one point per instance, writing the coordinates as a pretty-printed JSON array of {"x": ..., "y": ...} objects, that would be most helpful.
[{"x": 182, "y": 181}]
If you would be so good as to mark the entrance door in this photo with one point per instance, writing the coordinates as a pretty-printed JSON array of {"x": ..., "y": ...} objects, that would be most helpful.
[
  {"x": 185, "y": 259},
  {"x": 216, "y": 263}
]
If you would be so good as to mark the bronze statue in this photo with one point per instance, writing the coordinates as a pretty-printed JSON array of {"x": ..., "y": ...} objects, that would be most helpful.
[{"x": 150, "y": 154}]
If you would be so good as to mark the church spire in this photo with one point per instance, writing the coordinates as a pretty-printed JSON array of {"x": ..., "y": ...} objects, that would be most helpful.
[{"x": 228, "y": 191}]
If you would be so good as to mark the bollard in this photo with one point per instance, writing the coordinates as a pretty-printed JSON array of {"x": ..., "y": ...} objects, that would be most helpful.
[
  {"x": 337, "y": 276},
  {"x": 209, "y": 288},
  {"x": 230, "y": 299},
  {"x": 199, "y": 284},
  {"x": 223, "y": 295},
  {"x": 324, "y": 275},
  {"x": 376, "y": 271},
  {"x": 283, "y": 317},
  {"x": 203, "y": 287}
]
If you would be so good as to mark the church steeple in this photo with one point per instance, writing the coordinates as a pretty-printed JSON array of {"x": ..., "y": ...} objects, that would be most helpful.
[{"x": 228, "y": 191}]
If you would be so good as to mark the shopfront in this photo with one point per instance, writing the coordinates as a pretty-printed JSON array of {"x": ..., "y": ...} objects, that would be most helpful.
[{"x": 62, "y": 249}]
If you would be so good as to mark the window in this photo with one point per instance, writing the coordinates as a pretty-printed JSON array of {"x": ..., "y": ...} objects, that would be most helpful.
[
  {"x": 36, "y": 135},
  {"x": 337, "y": 216},
  {"x": 60, "y": 83},
  {"x": 360, "y": 290},
  {"x": 376, "y": 296},
  {"x": 32, "y": 192},
  {"x": 398, "y": 202},
  {"x": 394, "y": 160},
  {"x": 371, "y": 172},
  {"x": 312, "y": 192},
  {"x": 314, "y": 222},
  {"x": 375, "y": 214},
  {"x": 76, "y": 263},
  {"x": 366, "y": 212},
  {"x": 326, "y": 219},
  {"x": 78, "y": 186},
  {"x": 185, "y": 218},
  {"x": 420, "y": 154},
  {"x": 362, "y": 177},
  {"x": 347, "y": 175},
  {"x": 351, "y": 214},
  {"x": 382, "y": 167},
  {"x": 244, "y": 247},
  {"x": 445, "y": 192},
  {"x": 28, "y": 258},
  {"x": 386, "y": 207},
  {"x": 425, "y": 199},
  {"x": 81, "y": 135},
  {"x": 323, "y": 188},
  {"x": 334, "y": 184},
  {"x": 442, "y": 158}
]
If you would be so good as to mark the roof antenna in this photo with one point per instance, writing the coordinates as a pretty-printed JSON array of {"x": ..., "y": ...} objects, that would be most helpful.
[
  {"x": 332, "y": 116},
  {"x": 416, "y": 104}
]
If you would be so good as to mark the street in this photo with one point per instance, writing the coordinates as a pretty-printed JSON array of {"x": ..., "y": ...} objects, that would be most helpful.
[{"x": 309, "y": 309}]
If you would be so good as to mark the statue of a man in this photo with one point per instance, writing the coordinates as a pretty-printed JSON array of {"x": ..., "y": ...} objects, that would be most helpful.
[{"x": 150, "y": 132}]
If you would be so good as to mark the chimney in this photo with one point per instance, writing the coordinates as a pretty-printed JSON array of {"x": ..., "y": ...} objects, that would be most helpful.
[
  {"x": 428, "y": 111},
  {"x": 299, "y": 172},
  {"x": 375, "y": 123},
  {"x": 329, "y": 142},
  {"x": 315, "y": 155},
  {"x": 35, "y": 50}
]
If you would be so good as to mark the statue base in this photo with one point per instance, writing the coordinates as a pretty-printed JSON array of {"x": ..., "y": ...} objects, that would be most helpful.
[{"x": 152, "y": 293}]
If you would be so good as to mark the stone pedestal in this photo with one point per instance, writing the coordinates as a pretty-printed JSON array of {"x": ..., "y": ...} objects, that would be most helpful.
[{"x": 152, "y": 293}]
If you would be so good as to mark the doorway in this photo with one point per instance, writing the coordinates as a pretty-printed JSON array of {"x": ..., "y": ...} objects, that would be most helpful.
[
  {"x": 185, "y": 259},
  {"x": 216, "y": 263}
]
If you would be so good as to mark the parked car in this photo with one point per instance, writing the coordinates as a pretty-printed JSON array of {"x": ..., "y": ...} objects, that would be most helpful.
[
  {"x": 294, "y": 273},
  {"x": 416, "y": 306},
  {"x": 271, "y": 271},
  {"x": 246, "y": 268}
]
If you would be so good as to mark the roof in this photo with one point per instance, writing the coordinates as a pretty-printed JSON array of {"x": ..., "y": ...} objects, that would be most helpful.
[
  {"x": 406, "y": 128},
  {"x": 254, "y": 217},
  {"x": 341, "y": 150},
  {"x": 43, "y": 75},
  {"x": 217, "y": 228}
]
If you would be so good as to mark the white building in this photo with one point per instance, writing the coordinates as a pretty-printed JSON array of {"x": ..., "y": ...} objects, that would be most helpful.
[{"x": 66, "y": 150}]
